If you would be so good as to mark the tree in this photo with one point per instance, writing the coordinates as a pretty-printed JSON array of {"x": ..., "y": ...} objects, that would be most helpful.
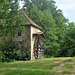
[
  {"x": 40, "y": 12},
  {"x": 8, "y": 11},
  {"x": 68, "y": 46},
  {"x": 9, "y": 21}
]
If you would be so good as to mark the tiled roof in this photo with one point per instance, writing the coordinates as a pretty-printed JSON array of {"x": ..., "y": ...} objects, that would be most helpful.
[{"x": 29, "y": 21}]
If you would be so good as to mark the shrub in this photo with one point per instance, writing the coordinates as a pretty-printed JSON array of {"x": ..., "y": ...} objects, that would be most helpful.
[{"x": 9, "y": 51}]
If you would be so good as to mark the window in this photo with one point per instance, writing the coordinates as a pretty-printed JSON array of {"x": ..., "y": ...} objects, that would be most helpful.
[
  {"x": 20, "y": 33},
  {"x": 19, "y": 36}
]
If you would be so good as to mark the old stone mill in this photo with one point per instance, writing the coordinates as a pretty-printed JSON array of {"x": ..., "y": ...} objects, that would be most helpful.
[{"x": 31, "y": 40}]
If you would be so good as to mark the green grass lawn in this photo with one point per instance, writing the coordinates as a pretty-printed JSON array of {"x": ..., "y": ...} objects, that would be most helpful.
[{"x": 47, "y": 66}]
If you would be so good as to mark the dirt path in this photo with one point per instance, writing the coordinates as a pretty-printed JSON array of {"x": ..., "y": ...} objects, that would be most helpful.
[
  {"x": 4, "y": 66},
  {"x": 59, "y": 67}
]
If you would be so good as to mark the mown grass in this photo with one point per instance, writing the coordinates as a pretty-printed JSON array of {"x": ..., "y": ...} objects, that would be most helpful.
[
  {"x": 29, "y": 72},
  {"x": 67, "y": 72},
  {"x": 47, "y": 66}
]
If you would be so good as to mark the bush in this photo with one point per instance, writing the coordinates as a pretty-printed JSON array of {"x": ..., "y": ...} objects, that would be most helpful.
[
  {"x": 1, "y": 56},
  {"x": 9, "y": 51},
  {"x": 25, "y": 55}
]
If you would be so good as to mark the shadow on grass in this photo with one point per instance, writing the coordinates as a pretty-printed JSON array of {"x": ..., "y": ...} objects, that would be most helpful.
[
  {"x": 66, "y": 72},
  {"x": 30, "y": 72}
]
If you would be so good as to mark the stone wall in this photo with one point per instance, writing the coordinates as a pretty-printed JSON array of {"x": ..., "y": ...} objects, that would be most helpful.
[
  {"x": 27, "y": 42},
  {"x": 28, "y": 39}
]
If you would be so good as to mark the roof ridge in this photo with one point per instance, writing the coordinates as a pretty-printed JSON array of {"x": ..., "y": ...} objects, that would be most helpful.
[{"x": 30, "y": 21}]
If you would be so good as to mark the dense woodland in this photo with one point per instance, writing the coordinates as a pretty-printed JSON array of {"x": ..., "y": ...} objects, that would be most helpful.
[{"x": 59, "y": 33}]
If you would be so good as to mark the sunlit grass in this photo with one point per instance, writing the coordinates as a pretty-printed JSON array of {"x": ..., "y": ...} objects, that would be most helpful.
[{"x": 46, "y": 66}]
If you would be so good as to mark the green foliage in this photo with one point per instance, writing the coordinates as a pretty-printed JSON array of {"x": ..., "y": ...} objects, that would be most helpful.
[
  {"x": 9, "y": 51},
  {"x": 25, "y": 55},
  {"x": 59, "y": 33},
  {"x": 10, "y": 23},
  {"x": 68, "y": 46},
  {"x": 9, "y": 18},
  {"x": 52, "y": 21}
]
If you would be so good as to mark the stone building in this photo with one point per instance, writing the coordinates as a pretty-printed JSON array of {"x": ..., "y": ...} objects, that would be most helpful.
[{"x": 31, "y": 39}]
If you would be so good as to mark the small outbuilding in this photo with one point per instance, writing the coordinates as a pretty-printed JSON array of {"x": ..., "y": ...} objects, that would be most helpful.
[{"x": 32, "y": 39}]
